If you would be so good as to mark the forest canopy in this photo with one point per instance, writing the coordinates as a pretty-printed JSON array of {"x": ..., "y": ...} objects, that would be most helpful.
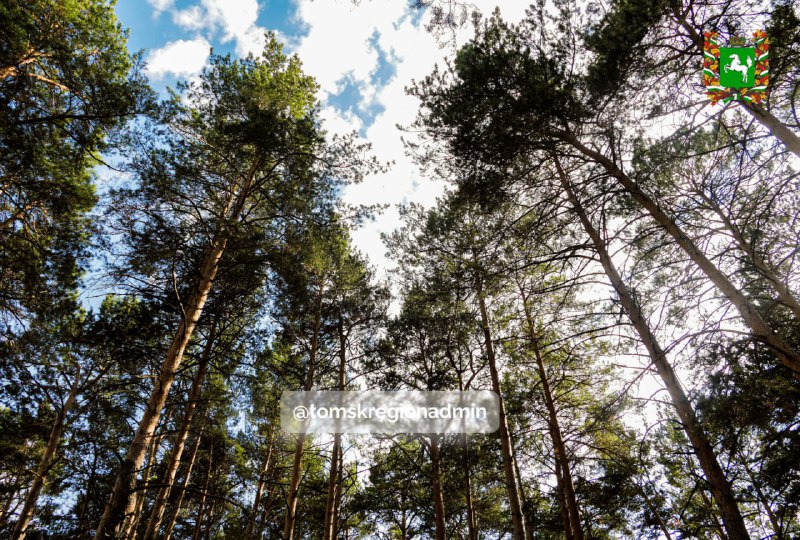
[{"x": 614, "y": 255}]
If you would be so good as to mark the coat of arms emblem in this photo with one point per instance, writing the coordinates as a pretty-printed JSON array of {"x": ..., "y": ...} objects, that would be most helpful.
[{"x": 738, "y": 72}]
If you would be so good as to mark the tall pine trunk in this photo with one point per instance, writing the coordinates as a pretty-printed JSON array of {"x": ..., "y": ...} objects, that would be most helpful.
[
  {"x": 184, "y": 484},
  {"x": 763, "y": 267},
  {"x": 775, "y": 126},
  {"x": 575, "y": 531},
  {"x": 294, "y": 484},
  {"x": 760, "y": 329},
  {"x": 334, "y": 473},
  {"x": 338, "y": 495},
  {"x": 119, "y": 504},
  {"x": 47, "y": 460},
  {"x": 471, "y": 526},
  {"x": 174, "y": 461},
  {"x": 720, "y": 487},
  {"x": 511, "y": 480},
  {"x": 438, "y": 499},
  {"x": 201, "y": 506},
  {"x": 262, "y": 479}
]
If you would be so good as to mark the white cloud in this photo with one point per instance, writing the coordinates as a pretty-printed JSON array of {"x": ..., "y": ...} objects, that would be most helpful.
[
  {"x": 180, "y": 58},
  {"x": 235, "y": 19},
  {"x": 341, "y": 45},
  {"x": 160, "y": 6},
  {"x": 191, "y": 18}
]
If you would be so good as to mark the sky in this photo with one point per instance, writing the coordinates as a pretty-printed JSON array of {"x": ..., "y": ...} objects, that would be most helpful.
[{"x": 363, "y": 55}]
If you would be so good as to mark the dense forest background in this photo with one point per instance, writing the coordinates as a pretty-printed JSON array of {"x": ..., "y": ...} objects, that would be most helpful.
[{"x": 604, "y": 227}]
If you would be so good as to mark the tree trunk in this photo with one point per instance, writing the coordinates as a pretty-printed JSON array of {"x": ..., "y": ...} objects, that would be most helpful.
[
  {"x": 747, "y": 310},
  {"x": 562, "y": 501},
  {"x": 720, "y": 487},
  {"x": 656, "y": 513},
  {"x": 555, "y": 430},
  {"x": 294, "y": 485},
  {"x": 471, "y": 527},
  {"x": 438, "y": 500},
  {"x": 775, "y": 126},
  {"x": 182, "y": 491},
  {"x": 46, "y": 461},
  {"x": 168, "y": 478},
  {"x": 262, "y": 478},
  {"x": 511, "y": 481},
  {"x": 120, "y": 504},
  {"x": 198, "y": 522},
  {"x": 527, "y": 512},
  {"x": 758, "y": 261},
  {"x": 338, "y": 495},
  {"x": 334, "y": 474}
]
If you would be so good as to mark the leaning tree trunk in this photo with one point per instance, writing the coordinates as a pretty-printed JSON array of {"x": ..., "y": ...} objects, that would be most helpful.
[
  {"x": 46, "y": 461},
  {"x": 157, "y": 512},
  {"x": 761, "y": 264},
  {"x": 575, "y": 531},
  {"x": 182, "y": 490},
  {"x": 262, "y": 479},
  {"x": 760, "y": 329},
  {"x": 775, "y": 126},
  {"x": 438, "y": 499},
  {"x": 198, "y": 522},
  {"x": 562, "y": 501},
  {"x": 119, "y": 503},
  {"x": 720, "y": 487},
  {"x": 511, "y": 481},
  {"x": 294, "y": 484}
]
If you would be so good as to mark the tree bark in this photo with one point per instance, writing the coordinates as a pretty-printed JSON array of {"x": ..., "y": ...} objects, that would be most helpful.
[
  {"x": 119, "y": 503},
  {"x": 758, "y": 261},
  {"x": 747, "y": 310},
  {"x": 198, "y": 522},
  {"x": 338, "y": 496},
  {"x": 294, "y": 484},
  {"x": 471, "y": 527},
  {"x": 46, "y": 461},
  {"x": 556, "y": 437},
  {"x": 438, "y": 499},
  {"x": 168, "y": 478},
  {"x": 511, "y": 481},
  {"x": 262, "y": 478},
  {"x": 562, "y": 501},
  {"x": 720, "y": 487},
  {"x": 182, "y": 491},
  {"x": 775, "y": 126},
  {"x": 334, "y": 473}
]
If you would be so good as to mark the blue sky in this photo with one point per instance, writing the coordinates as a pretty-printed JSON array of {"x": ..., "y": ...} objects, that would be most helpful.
[{"x": 362, "y": 54}]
